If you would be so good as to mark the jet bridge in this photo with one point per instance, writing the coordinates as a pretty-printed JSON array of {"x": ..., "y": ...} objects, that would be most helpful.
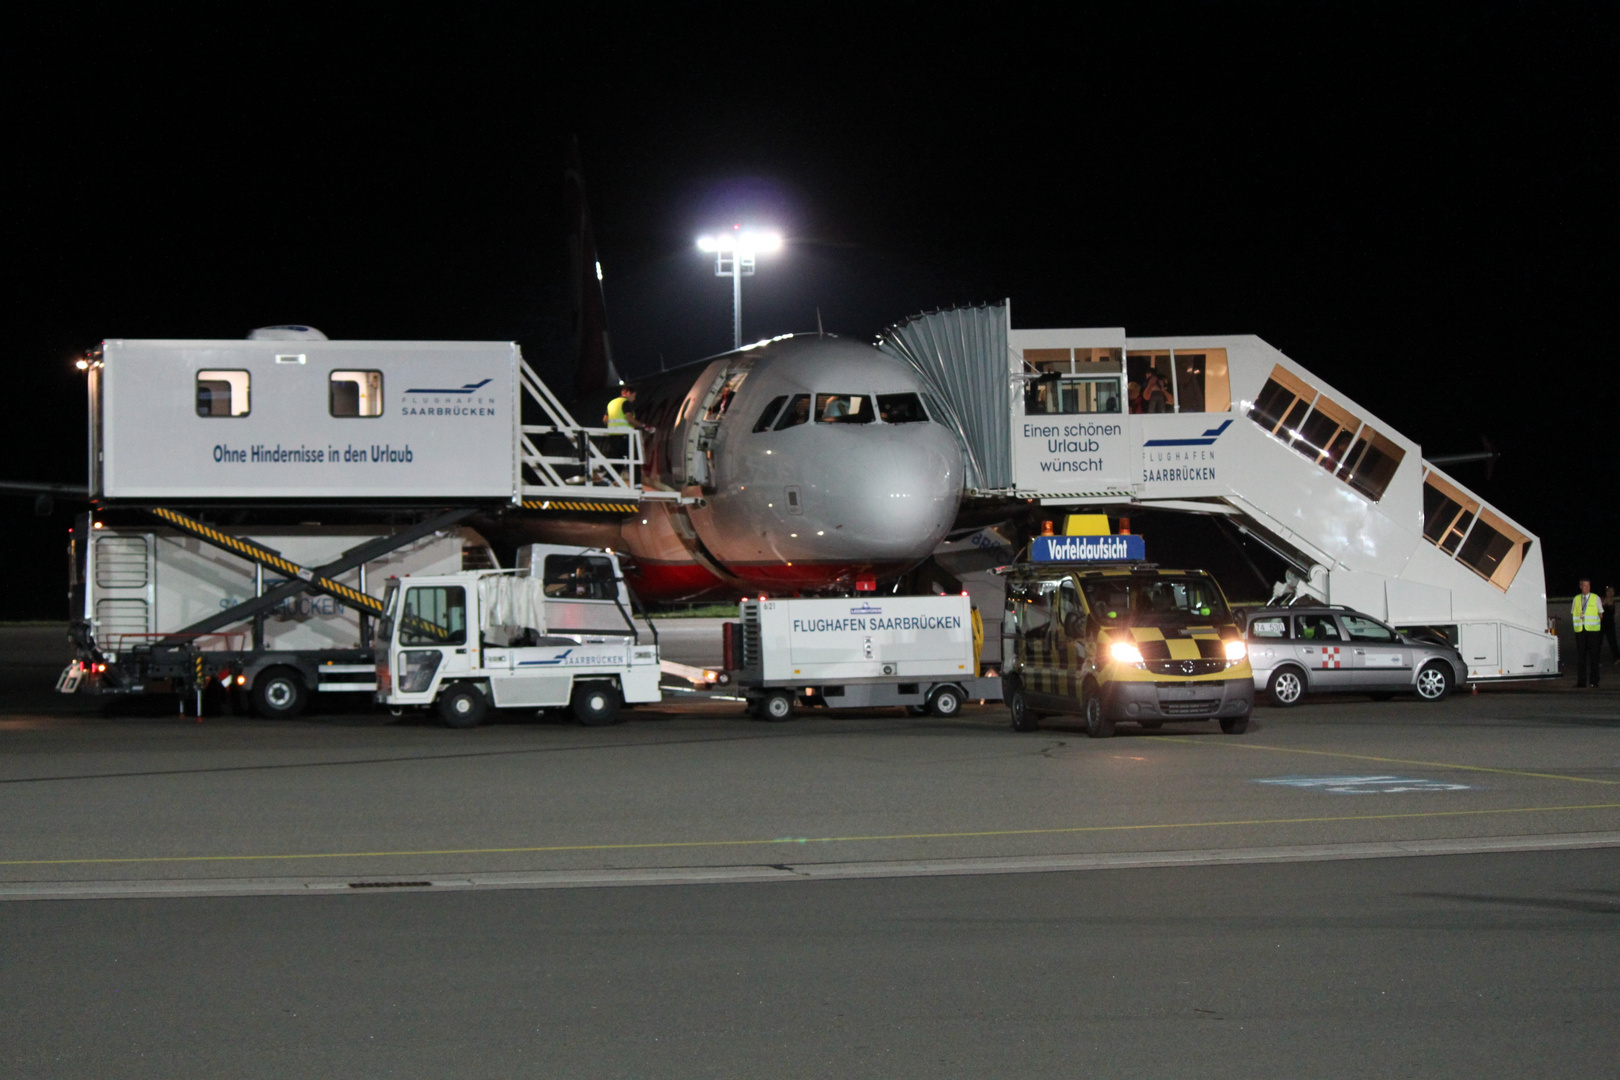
[{"x": 1227, "y": 425}]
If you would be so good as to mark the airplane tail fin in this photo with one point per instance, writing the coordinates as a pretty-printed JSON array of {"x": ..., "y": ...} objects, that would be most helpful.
[{"x": 593, "y": 353}]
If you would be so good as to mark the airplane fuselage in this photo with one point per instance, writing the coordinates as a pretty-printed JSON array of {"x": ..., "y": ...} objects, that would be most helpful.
[{"x": 805, "y": 462}]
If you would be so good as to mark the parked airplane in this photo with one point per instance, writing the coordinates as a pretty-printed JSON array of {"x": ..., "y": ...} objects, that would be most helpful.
[{"x": 808, "y": 462}]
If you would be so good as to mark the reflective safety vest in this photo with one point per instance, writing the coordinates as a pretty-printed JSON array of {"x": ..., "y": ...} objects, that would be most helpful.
[
  {"x": 1587, "y": 611},
  {"x": 615, "y": 413}
]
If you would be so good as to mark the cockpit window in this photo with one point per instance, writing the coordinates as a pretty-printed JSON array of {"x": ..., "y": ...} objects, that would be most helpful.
[
  {"x": 797, "y": 412},
  {"x": 901, "y": 409},
  {"x": 843, "y": 409},
  {"x": 769, "y": 414}
]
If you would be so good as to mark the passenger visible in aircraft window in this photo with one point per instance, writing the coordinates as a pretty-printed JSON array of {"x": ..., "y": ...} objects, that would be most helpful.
[
  {"x": 843, "y": 409},
  {"x": 901, "y": 409},
  {"x": 797, "y": 412},
  {"x": 222, "y": 393},
  {"x": 355, "y": 393},
  {"x": 769, "y": 414}
]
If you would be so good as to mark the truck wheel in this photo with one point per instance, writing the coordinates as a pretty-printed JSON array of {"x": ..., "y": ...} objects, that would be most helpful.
[
  {"x": 1012, "y": 689},
  {"x": 462, "y": 706},
  {"x": 776, "y": 706},
  {"x": 945, "y": 702},
  {"x": 595, "y": 704},
  {"x": 1434, "y": 682},
  {"x": 1235, "y": 725},
  {"x": 1098, "y": 726},
  {"x": 279, "y": 694}
]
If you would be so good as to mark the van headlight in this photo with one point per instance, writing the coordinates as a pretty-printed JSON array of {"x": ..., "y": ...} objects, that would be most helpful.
[
  {"x": 1125, "y": 653},
  {"x": 1235, "y": 651}
]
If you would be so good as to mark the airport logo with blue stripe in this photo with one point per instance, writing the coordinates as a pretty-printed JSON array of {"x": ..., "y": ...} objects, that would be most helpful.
[{"x": 1206, "y": 439}]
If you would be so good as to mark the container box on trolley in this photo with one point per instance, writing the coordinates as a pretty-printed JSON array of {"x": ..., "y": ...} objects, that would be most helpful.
[{"x": 857, "y": 652}]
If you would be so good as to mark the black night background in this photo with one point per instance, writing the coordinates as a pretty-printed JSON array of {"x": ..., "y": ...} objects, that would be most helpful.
[{"x": 1414, "y": 203}]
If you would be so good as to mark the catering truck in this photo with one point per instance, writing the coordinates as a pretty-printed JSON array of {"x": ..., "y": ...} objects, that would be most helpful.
[
  {"x": 555, "y": 632},
  {"x": 919, "y": 652},
  {"x": 144, "y": 601}
]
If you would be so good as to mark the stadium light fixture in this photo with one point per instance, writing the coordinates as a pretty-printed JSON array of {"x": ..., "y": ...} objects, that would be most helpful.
[{"x": 734, "y": 256}]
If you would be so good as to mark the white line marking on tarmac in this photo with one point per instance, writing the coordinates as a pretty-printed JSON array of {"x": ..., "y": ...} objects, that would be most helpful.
[{"x": 744, "y": 874}]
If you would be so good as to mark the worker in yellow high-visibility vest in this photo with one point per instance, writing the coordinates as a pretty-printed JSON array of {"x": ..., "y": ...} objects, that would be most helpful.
[
  {"x": 1586, "y": 615},
  {"x": 621, "y": 417}
]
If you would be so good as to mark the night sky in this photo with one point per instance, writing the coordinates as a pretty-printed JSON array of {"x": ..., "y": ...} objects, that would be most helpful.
[{"x": 1417, "y": 207}]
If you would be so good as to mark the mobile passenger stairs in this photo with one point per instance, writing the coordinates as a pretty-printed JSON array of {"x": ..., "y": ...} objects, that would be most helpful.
[
  {"x": 1227, "y": 425},
  {"x": 415, "y": 436}
]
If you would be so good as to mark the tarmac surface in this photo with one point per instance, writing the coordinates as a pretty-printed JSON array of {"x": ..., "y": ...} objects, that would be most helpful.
[{"x": 1352, "y": 888}]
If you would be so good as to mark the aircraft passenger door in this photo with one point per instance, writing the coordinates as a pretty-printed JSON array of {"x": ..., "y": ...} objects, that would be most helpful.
[
  {"x": 432, "y": 638},
  {"x": 1321, "y": 646},
  {"x": 1380, "y": 659},
  {"x": 703, "y": 434}
]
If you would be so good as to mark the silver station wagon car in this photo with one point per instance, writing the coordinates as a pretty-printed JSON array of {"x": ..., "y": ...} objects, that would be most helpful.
[{"x": 1307, "y": 650}]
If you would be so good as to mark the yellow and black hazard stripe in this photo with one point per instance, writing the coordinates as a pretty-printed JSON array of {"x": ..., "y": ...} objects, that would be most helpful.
[
  {"x": 254, "y": 553},
  {"x": 600, "y": 506}
]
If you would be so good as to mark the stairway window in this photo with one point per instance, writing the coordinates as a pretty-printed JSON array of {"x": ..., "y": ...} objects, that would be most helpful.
[
  {"x": 1494, "y": 550},
  {"x": 1201, "y": 381},
  {"x": 1447, "y": 514},
  {"x": 1371, "y": 463}
]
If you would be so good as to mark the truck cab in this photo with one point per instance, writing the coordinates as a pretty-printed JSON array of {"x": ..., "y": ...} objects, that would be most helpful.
[
  {"x": 555, "y": 632},
  {"x": 1126, "y": 642}
]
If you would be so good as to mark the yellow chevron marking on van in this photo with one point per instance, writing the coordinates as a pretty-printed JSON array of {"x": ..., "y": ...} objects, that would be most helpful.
[{"x": 1183, "y": 649}]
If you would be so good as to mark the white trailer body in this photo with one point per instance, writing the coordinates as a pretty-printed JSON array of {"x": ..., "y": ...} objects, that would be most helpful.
[
  {"x": 143, "y": 584},
  {"x": 306, "y": 419},
  {"x": 859, "y": 652},
  {"x": 556, "y": 632}
]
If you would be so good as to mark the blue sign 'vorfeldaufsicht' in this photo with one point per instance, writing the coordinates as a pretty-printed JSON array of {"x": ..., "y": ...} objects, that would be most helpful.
[{"x": 1086, "y": 548}]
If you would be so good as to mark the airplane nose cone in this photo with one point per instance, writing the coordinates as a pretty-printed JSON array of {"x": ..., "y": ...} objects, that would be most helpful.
[
  {"x": 833, "y": 501},
  {"x": 889, "y": 496}
]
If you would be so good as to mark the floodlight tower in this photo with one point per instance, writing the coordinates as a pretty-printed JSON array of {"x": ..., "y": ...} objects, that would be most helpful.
[{"x": 734, "y": 254}]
